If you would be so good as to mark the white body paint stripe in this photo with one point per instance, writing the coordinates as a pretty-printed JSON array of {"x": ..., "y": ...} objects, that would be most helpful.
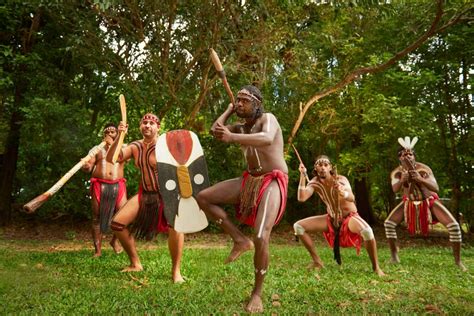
[{"x": 259, "y": 235}]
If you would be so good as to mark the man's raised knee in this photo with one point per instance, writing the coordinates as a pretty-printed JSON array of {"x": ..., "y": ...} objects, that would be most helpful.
[
  {"x": 299, "y": 230},
  {"x": 367, "y": 234},
  {"x": 201, "y": 198}
]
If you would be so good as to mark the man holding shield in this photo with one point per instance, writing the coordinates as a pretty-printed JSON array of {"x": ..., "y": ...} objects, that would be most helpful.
[
  {"x": 260, "y": 192},
  {"x": 145, "y": 210},
  {"x": 108, "y": 191}
]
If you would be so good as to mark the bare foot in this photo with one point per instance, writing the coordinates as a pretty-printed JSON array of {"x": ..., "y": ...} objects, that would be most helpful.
[
  {"x": 133, "y": 267},
  {"x": 177, "y": 279},
  {"x": 395, "y": 259},
  {"x": 116, "y": 246},
  {"x": 461, "y": 266},
  {"x": 97, "y": 255},
  {"x": 315, "y": 265},
  {"x": 238, "y": 249},
  {"x": 379, "y": 272},
  {"x": 254, "y": 305}
]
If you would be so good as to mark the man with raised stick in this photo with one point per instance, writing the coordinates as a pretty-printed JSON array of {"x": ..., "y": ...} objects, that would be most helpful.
[
  {"x": 342, "y": 226},
  {"x": 260, "y": 192},
  {"x": 420, "y": 202},
  {"x": 108, "y": 191},
  {"x": 145, "y": 209}
]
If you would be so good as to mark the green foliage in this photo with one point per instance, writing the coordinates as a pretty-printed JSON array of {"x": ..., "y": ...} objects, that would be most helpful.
[
  {"x": 156, "y": 53},
  {"x": 72, "y": 282}
]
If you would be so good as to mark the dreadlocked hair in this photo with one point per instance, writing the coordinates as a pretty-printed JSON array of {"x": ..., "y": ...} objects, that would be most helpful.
[{"x": 258, "y": 105}]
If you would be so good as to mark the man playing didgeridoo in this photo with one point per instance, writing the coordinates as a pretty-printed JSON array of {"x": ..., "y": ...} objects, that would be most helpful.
[
  {"x": 342, "y": 226},
  {"x": 260, "y": 192},
  {"x": 418, "y": 185},
  {"x": 108, "y": 191},
  {"x": 145, "y": 209}
]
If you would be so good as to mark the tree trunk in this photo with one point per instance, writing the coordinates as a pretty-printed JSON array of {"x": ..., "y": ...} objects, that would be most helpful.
[
  {"x": 364, "y": 207},
  {"x": 8, "y": 170}
]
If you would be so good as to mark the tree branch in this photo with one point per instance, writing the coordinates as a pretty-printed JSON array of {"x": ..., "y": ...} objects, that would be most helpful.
[{"x": 375, "y": 69}]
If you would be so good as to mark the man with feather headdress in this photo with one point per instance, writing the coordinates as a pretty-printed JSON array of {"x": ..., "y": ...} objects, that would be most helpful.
[{"x": 420, "y": 206}]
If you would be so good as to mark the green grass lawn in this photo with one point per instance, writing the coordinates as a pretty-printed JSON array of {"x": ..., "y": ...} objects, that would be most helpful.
[{"x": 37, "y": 278}]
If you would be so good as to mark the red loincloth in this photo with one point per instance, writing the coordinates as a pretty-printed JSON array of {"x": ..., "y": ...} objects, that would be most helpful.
[
  {"x": 282, "y": 180},
  {"x": 418, "y": 217},
  {"x": 346, "y": 237},
  {"x": 96, "y": 190}
]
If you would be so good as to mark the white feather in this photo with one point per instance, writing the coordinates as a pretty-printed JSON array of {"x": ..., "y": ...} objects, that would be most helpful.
[
  {"x": 401, "y": 142},
  {"x": 413, "y": 142},
  {"x": 407, "y": 142}
]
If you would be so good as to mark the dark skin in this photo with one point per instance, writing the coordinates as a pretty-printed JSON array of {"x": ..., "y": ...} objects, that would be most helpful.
[
  {"x": 128, "y": 213},
  {"x": 104, "y": 170},
  {"x": 405, "y": 177},
  {"x": 261, "y": 141},
  {"x": 319, "y": 223}
]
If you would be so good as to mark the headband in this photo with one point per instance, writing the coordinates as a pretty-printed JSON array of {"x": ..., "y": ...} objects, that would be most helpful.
[
  {"x": 150, "y": 117},
  {"x": 246, "y": 93},
  {"x": 322, "y": 160},
  {"x": 108, "y": 129}
]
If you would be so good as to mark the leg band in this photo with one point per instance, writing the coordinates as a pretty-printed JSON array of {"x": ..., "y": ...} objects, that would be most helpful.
[
  {"x": 299, "y": 230},
  {"x": 390, "y": 231},
  {"x": 117, "y": 226},
  {"x": 367, "y": 234},
  {"x": 454, "y": 232}
]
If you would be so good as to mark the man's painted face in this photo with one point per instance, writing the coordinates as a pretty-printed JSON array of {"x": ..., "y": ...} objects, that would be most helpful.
[
  {"x": 323, "y": 168},
  {"x": 110, "y": 131},
  {"x": 149, "y": 128},
  {"x": 407, "y": 155},
  {"x": 245, "y": 104}
]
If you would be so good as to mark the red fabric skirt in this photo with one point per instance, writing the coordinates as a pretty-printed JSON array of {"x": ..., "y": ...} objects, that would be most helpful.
[
  {"x": 282, "y": 180},
  {"x": 96, "y": 190},
  {"x": 418, "y": 215},
  {"x": 346, "y": 237}
]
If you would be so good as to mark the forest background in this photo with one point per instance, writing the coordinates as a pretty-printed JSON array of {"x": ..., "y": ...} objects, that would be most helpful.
[{"x": 344, "y": 78}]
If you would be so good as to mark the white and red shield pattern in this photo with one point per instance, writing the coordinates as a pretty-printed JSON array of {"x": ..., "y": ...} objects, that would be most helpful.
[{"x": 182, "y": 174}]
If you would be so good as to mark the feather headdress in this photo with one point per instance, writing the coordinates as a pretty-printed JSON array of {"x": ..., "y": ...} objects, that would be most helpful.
[{"x": 407, "y": 143}]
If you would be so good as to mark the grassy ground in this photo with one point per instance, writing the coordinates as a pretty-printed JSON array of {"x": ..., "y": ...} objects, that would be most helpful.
[{"x": 59, "y": 276}]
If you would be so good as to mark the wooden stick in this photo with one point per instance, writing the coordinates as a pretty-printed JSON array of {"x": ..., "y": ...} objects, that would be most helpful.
[
  {"x": 301, "y": 161},
  {"x": 123, "y": 110},
  {"x": 220, "y": 71},
  {"x": 32, "y": 205}
]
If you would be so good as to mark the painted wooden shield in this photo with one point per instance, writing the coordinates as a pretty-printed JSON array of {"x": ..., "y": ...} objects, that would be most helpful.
[{"x": 182, "y": 174}]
